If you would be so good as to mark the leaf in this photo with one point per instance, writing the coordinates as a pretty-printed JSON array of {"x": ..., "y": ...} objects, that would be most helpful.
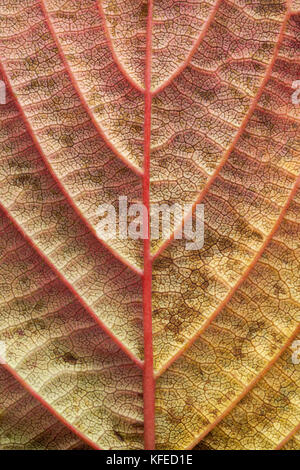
[
  {"x": 163, "y": 102},
  {"x": 267, "y": 414},
  {"x": 58, "y": 349},
  {"x": 26, "y": 424}
]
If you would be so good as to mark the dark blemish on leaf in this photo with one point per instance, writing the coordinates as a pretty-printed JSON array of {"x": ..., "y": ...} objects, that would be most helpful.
[
  {"x": 206, "y": 95},
  {"x": 36, "y": 324},
  {"x": 254, "y": 328},
  {"x": 39, "y": 305},
  {"x": 27, "y": 181},
  {"x": 69, "y": 357},
  {"x": 237, "y": 352},
  {"x": 136, "y": 128},
  {"x": 119, "y": 436},
  {"x": 278, "y": 289},
  {"x": 225, "y": 244},
  {"x": 144, "y": 10},
  {"x": 257, "y": 236},
  {"x": 67, "y": 141},
  {"x": 174, "y": 419},
  {"x": 163, "y": 263},
  {"x": 203, "y": 446}
]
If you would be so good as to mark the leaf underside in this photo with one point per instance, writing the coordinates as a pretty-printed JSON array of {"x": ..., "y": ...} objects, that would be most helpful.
[{"x": 161, "y": 101}]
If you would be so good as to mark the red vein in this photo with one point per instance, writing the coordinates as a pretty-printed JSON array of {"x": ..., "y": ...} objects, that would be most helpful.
[
  {"x": 192, "y": 51},
  {"x": 30, "y": 131},
  {"x": 239, "y": 283},
  {"x": 242, "y": 127},
  {"x": 81, "y": 96},
  {"x": 102, "y": 325},
  {"x": 113, "y": 53},
  {"x": 55, "y": 413},
  {"x": 148, "y": 378},
  {"x": 288, "y": 437},
  {"x": 245, "y": 391}
]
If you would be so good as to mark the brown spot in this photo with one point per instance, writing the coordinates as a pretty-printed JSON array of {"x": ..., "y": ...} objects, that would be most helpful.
[
  {"x": 144, "y": 10},
  {"x": 67, "y": 141},
  {"x": 119, "y": 436},
  {"x": 69, "y": 357}
]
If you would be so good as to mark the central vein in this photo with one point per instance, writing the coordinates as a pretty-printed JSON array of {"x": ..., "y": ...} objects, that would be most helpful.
[{"x": 148, "y": 379}]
